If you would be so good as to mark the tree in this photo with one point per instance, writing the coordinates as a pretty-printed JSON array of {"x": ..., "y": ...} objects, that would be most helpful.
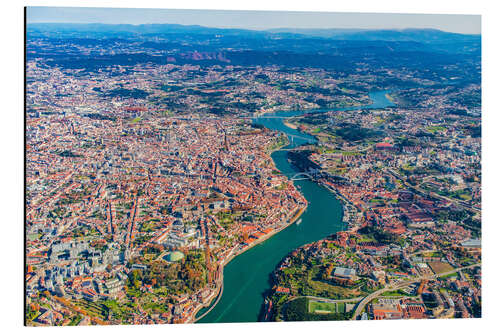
[{"x": 328, "y": 271}]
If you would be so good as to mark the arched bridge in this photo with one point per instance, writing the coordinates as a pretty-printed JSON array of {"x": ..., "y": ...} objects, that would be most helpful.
[{"x": 304, "y": 175}]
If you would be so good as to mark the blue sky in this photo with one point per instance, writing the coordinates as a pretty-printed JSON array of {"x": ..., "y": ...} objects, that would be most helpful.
[{"x": 470, "y": 24}]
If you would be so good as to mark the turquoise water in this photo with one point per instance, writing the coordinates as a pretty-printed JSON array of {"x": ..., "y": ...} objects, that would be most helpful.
[{"x": 246, "y": 277}]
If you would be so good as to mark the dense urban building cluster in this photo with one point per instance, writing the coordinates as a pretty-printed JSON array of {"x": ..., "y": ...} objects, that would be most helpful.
[
  {"x": 146, "y": 173},
  {"x": 410, "y": 185},
  {"x": 109, "y": 196}
]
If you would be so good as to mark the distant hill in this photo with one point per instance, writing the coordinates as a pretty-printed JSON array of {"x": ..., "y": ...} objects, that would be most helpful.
[
  {"x": 289, "y": 39},
  {"x": 413, "y": 35},
  {"x": 135, "y": 29},
  {"x": 333, "y": 49}
]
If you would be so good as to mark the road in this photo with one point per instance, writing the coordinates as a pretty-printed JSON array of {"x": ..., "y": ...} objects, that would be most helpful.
[
  {"x": 361, "y": 305},
  {"x": 327, "y": 300}
]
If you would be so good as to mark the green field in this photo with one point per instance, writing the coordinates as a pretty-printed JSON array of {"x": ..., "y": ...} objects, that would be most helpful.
[
  {"x": 33, "y": 237},
  {"x": 451, "y": 275},
  {"x": 434, "y": 129},
  {"x": 322, "y": 307},
  {"x": 336, "y": 292}
]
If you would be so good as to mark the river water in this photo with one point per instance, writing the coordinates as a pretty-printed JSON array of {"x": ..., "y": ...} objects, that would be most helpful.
[{"x": 246, "y": 277}]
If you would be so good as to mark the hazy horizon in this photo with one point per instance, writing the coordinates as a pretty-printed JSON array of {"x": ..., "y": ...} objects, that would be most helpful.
[{"x": 255, "y": 20}]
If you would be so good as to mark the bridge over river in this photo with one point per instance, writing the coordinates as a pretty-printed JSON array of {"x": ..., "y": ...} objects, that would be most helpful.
[{"x": 246, "y": 277}]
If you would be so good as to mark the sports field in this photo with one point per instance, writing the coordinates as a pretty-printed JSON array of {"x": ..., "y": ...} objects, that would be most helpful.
[{"x": 322, "y": 307}]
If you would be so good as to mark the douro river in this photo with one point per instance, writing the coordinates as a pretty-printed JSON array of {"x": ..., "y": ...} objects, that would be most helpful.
[{"x": 247, "y": 277}]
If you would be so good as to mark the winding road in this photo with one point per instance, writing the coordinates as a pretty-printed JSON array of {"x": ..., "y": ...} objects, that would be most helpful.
[{"x": 361, "y": 305}]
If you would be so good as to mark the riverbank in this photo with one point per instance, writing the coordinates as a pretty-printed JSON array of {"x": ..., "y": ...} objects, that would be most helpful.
[
  {"x": 269, "y": 151},
  {"x": 246, "y": 279},
  {"x": 389, "y": 97},
  {"x": 220, "y": 283},
  {"x": 311, "y": 108},
  {"x": 345, "y": 201}
]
